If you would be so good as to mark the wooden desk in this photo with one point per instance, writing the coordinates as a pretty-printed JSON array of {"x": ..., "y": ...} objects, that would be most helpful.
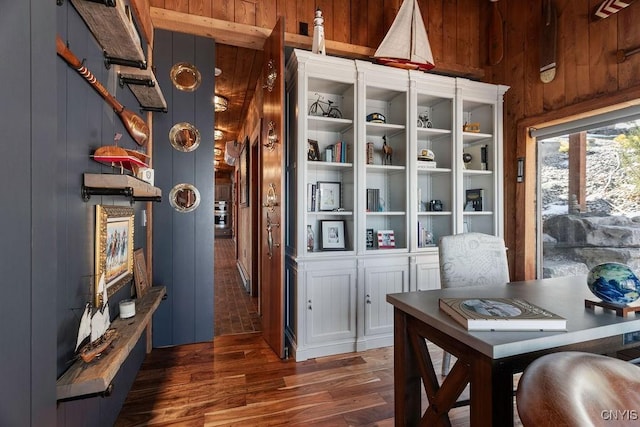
[{"x": 488, "y": 360}]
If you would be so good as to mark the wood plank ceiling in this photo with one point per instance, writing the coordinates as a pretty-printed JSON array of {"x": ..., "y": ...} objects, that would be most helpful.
[{"x": 240, "y": 71}]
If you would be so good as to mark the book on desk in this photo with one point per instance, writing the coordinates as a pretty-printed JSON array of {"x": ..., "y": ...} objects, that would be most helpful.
[{"x": 501, "y": 314}]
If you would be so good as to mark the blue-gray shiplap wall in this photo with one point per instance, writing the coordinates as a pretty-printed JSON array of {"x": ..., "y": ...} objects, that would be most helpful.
[
  {"x": 183, "y": 242},
  {"x": 86, "y": 122}
]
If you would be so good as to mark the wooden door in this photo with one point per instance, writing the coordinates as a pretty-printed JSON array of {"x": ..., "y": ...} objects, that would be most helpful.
[{"x": 272, "y": 192}]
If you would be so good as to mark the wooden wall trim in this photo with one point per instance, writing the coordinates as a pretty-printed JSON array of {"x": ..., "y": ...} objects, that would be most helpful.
[
  {"x": 253, "y": 37},
  {"x": 525, "y": 223},
  {"x": 141, "y": 11}
]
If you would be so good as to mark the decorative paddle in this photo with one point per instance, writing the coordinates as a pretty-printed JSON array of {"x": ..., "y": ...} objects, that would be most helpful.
[
  {"x": 496, "y": 38},
  {"x": 134, "y": 124},
  {"x": 548, "y": 33}
]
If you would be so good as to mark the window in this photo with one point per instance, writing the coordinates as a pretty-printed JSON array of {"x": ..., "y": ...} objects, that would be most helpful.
[{"x": 589, "y": 195}]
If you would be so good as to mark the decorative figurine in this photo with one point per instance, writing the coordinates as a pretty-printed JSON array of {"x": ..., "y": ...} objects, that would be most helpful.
[
  {"x": 318, "y": 33},
  {"x": 424, "y": 121},
  {"x": 466, "y": 158},
  {"x": 387, "y": 151}
]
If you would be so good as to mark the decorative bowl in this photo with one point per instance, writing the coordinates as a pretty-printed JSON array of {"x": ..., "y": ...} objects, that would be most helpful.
[{"x": 614, "y": 283}]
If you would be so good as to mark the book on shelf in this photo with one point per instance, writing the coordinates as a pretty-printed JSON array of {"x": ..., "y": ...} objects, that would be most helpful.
[
  {"x": 311, "y": 197},
  {"x": 373, "y": 199},
  {"x": 341, "y": 152},
  {"x": 484, "y": 158},
  {"x": 369, "y": 153},
  {"x": 501, "y": 314},
  {"x": 474, "y": 200}
]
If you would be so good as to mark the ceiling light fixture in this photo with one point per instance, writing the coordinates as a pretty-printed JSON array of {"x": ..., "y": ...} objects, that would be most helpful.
[
  {"x": 217, "y": 151},
  {"x": 220, "y": 103},
  {"x": 217, "y": 134},
  {"x": 218, "y": 71}
]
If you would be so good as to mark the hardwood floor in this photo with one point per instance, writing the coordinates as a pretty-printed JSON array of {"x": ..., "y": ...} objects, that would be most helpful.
[{"x": 238, "y": 381}]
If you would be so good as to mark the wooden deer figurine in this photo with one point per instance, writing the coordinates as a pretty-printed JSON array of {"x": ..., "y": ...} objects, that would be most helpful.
[{"x": 387, "y": 151}]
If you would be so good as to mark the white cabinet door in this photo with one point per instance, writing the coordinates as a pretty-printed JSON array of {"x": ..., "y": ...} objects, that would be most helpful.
[
  {"x": 378, "y": 282},
  {"x": 330, "y": 305},
  {"x": 427, "y": 272}
]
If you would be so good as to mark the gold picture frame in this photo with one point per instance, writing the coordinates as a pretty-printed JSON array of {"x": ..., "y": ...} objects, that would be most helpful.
[{"x": 113, "y": 248}]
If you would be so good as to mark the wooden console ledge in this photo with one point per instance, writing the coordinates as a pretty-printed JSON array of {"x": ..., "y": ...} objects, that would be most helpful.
[{"x": 95, "y": 377}]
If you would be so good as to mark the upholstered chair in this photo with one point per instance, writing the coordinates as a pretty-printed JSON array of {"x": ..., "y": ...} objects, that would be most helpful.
[
  {"x": 579, "y": 389},
  {"x": 471, "y": 259}
]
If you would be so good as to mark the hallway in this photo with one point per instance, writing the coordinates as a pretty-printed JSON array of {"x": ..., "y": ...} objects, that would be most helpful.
[{"x": 235, "y": 311}]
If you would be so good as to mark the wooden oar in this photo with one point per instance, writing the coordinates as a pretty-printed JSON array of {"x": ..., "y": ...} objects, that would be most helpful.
[
  {"x": 496, "y": 38},
  {"x": 134, "y": 124},
  {"x": 548, "y": 34}
]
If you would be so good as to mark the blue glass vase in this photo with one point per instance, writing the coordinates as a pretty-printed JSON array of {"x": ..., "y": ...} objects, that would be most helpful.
[{"x": 614, "y": 283}]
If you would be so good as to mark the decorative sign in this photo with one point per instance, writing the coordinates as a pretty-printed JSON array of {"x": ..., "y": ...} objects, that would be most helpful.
[{"x": 609, "y": 7}]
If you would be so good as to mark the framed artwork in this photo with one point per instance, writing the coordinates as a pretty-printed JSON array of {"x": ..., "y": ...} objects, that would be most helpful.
[
  {"x": 329, "y": 193},
  {"x": 332, "y": 235},
  {"x": 314, "y": 151},
  {"x": 386, "y": 239},
  {"x": 113, "y": 248},
  {"x": 244, "y": 174},
  {"x": 370, "y": 244},
  {"x": 140, "y": 273}
]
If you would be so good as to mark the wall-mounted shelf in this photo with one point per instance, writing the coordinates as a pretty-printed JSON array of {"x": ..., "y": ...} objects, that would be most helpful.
[
  {"x": 113, "y": 28},
  {"x": 145, "y": 88},
  {"x": 90, "y": 379},
  {"x": 119, "y": 185}
]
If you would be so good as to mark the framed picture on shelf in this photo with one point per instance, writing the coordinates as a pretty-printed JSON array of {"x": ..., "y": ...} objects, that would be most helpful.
[
  {"x": 329, "y": 193},
  {"x": 140, "y": 273},
  {"x": 113, "y": 248},
  {"x": 386, "y": 239},
  {"x": 314, "y": 151},
  {"x": 332, "y": 235},
  {"x": 370, "y": 244}
]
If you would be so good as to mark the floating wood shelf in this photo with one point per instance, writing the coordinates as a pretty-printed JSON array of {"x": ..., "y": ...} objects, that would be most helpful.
[
  {"x": 113, "y": 28},
  {"x": 145, "y": 88},
  {"x": 89, "y": 379},
  {"x": 119, "y": 185}
]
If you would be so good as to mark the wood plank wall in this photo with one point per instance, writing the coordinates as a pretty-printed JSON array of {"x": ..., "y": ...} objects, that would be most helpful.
[
  {"x": 357, "y": 22},
  {"x": 588, "y": 76}
]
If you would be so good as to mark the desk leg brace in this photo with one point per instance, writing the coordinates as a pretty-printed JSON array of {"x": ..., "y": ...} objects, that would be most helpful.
[{"x": 442, "y": 398}]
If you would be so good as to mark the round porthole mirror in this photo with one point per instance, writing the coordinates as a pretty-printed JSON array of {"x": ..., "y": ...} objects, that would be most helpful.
[
  {"x": 184, "y": 197},
  {"x": 184, "y": 137},
  {"x": 185, "y": 76}
]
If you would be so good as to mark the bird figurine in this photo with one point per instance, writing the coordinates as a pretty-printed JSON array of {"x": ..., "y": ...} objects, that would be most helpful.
[{"x": 387, "y": 151}]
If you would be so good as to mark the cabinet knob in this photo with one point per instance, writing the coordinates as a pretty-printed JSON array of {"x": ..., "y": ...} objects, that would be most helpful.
[{"x": 368, "y": 299}]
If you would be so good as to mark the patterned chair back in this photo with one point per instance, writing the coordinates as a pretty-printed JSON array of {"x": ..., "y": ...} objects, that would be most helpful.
[{"x": 472, "y": 259}]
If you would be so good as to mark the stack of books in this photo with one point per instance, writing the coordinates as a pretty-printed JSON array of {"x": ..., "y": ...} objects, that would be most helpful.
[
  {"x": 373, "y": 200},
  {"x": 337, "y": 152}
]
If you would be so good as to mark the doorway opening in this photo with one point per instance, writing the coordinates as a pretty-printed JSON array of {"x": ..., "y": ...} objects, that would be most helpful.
[{"x": 235, "y": 310}]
